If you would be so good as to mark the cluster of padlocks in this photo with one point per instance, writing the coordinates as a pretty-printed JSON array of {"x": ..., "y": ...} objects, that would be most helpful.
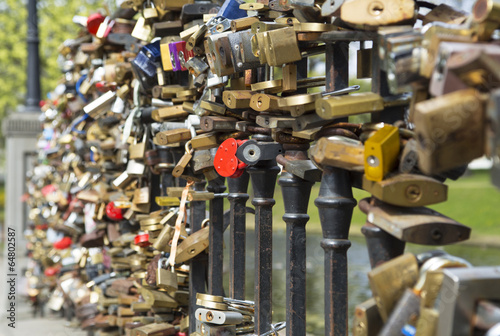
[{"x": 164, "y": 99}]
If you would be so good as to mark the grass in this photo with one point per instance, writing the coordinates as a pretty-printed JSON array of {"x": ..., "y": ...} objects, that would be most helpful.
[{"x": 472, "y": 201}]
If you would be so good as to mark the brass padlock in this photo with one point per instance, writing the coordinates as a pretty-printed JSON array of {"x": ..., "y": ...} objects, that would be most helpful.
[
  {"x": 339, "y": 151},
  {"x": 149, "y": 10},
  {"x": 166, "y": 279},
  {"x": 172, "y": 136},
  {"x": 347, "y": 105},
  {"x": 450, "y": 130},
  {"x": 377, "y": 13},
  {"x": 158, "y": 299},
  {"x": 280, "y": 46},
  {"x": 407, "y": 190},
  {"x": 389, "y": 280},
  {"x": 417, "y": 225},
  {"x": 192, "y": 245}
]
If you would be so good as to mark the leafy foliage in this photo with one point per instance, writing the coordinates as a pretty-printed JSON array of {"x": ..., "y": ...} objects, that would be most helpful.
[{"x": 55, "y": 20}]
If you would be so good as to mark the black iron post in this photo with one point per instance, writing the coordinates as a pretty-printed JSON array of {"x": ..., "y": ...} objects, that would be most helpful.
[
  {"x": 335, "y": 205},
  {"x": 263, "y": 176},
  {"x": 238, "y": 198},
  {"x": 33, "y": 76},
  {"x": 296, "y": 192},
  {"x": 198, "y": 267},
  {"x": 381, "y": 245},
  {"x": 216, "y": 237}
]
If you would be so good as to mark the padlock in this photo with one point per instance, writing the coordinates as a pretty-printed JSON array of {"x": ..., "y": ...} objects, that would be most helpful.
[
  {"x": 212, "y": 123},
  {"x": 183, "y": 161},
  {"x": 163, "y": 240},
  {"x": 377, "y": 13},
  {"x": 339, "y": 151},
  {"x": 196, "y": 66},
  {"x": 203, "y": 161},
  {"x": 145, "y": 64},
  {"x": 100, "y": 105},
  {"x": 169, "y": 113},
  {"x": 218, "y": 317},
  {"x": 158, "y": 299},
  {"x": 277, "y": 47},
  {"x": 179, "y": 55},
  {"x": 348, "y": 105},
  {"x": 237, "y": 99},
  {"x": 389, "y": 280},
  {"x": 407, "y": 309},
  {"x": 242, "y": 56},
  {"x": 193, "y": 245},
  {"x": 137, "y": 150},
  {"x": 243, "y": 23},
  {"x": 367, "y": 321},
  {"x": 149, "y": 10},
  {"x": 225, "y": 161},
  {"x": 166, "y": 279},
  {"x": 381, "y": 152},
  {"x": 418, "y": 225},
  {"x": 208, "y": 329},
  {"x": 193, "y": 11},
  {"x": 407, "y": 190},
  {"x": 450, "y": 130},
  {"x": 142, "y": 30},
  {"x": 218, "y": 50},
  {"x": 252, "y": 152},
  {"x": 173, "y": 136}
]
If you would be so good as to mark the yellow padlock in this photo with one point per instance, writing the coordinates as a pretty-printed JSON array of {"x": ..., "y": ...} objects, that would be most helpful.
[{"x": 381, "y": 152}]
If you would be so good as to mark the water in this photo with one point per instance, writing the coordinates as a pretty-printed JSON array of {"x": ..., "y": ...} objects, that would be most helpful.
[{"x": 359, "y": 265}]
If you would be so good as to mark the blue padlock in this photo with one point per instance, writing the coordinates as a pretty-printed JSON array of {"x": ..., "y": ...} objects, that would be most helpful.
[
  {"x": 145, "y": 64},
  {"x": 231, "y": 10}
]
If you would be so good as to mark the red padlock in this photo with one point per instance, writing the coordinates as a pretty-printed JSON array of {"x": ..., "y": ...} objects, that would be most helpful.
[
  {"x": 93, "y": 22},
  {"x": 51, "y": 271},
  {"x": 113, "y": 212},
  {"x": 62, "y": 244},
  {"x": 225, "y": 161},
  {"x": 142, "y": 240}
]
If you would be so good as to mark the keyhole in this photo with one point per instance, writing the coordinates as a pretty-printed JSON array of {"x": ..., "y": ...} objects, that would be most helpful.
[{"x": 376, "y": 8}]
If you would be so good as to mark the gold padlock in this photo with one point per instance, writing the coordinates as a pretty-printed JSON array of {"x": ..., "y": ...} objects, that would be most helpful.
[
  {"x": 450, "y": 130},
  {"x": 389, "y": 280},
  {"x": 166, "y": 279},
  {"x": 407, "y": 190},
  {"x": 158, "y": 299},
  {"x": 377, "y": 12},
  {"x": 339, "y": 151}
]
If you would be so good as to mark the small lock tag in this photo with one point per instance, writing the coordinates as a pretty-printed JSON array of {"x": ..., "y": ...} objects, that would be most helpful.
[
  {"x": 137, "y": 150},
  {"x": 149, "y": 12},
  {"x": 166, "y": 279},
  {"x": 141, "y": 196},
  {"x": 141, "y": 31},
  {"x": 184, "y": 161}
]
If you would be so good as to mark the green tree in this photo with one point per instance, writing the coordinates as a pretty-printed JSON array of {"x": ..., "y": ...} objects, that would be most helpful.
[{"x": 55, "y": 19}]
